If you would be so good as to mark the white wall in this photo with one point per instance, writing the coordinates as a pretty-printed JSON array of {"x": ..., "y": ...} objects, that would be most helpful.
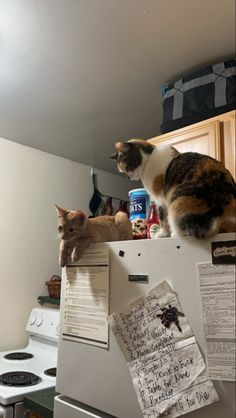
[{"x": 31, "y": 182}]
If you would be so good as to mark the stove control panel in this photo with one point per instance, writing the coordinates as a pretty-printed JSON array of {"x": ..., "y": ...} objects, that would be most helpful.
[
  {"x": 32, "y": 320},
  {"x": 44, "y": 322}
]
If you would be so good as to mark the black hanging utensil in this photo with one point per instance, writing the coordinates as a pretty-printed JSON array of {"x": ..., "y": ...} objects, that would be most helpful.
[{"x": 96, "y": 199}]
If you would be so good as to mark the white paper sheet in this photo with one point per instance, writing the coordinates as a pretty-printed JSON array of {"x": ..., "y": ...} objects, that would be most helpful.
[
  {"x": 217, "y": 287},
  {"x": 164, "y": 360},
  {"x": 85, "y": 316}
]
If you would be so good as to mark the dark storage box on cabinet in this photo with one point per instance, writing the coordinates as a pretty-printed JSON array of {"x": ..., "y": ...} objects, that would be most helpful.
[{"x": 198, "y": 96}]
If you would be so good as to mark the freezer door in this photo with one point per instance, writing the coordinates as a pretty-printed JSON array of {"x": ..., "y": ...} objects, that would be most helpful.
[
  {"x": 99, "y": 377},
  {"x": 66, "y": 407}
]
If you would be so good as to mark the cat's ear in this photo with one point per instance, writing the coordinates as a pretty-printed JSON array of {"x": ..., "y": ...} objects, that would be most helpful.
[
  {"x": 80, "y": 216},
  {"x": 121, "y": 147},
  {"x": 60, "y": 212}
]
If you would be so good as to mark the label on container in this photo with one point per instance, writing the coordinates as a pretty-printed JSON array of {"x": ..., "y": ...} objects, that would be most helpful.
[
  {"x": 153, "y": 229},
  {"x": 138, "y": 214},
  {"x": 138, "y": 207}
]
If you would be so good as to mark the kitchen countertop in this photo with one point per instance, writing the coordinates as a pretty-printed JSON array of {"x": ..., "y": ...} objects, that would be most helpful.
[{"x": 41, "y": 402}]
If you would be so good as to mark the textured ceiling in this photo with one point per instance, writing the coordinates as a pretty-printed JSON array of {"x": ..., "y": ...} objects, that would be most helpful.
[{"x": 77, "y": 75}]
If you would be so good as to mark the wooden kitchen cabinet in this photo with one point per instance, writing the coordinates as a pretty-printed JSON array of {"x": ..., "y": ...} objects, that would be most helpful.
[{"x": 214, "y": 137}]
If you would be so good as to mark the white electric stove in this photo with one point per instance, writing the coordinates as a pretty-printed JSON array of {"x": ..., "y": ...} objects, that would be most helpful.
[{"x": 32, "y": 368}]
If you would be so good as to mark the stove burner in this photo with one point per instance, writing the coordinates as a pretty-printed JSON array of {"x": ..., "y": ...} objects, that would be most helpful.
[
  {"x": 51, "y": 372},
  {"x": 19, "y": 378},
  {"x": 18, "y": 356}
]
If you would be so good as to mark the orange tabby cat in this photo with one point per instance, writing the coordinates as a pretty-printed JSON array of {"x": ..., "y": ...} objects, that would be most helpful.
[{"x": 77, "y": 231}]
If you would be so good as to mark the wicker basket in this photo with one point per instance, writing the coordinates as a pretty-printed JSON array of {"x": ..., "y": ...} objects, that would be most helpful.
[{"x": 54, "y": 286}]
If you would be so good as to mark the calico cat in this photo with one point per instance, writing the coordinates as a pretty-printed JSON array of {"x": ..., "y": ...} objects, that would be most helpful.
[
  {"x": 196, "y": 193},
  {"x": 77, "y": 231}
]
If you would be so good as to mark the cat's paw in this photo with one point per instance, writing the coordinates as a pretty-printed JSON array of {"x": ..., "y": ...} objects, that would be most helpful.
[
  {"x": 62, "y": 262},
  {"x": 177, "y": 235},
  {"x": 161, "y": 234},
  {"x": 75, "y": 256}
]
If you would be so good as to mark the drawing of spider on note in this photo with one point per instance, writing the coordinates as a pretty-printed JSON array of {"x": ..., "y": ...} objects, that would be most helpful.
[{"x": 170, "y": 315}]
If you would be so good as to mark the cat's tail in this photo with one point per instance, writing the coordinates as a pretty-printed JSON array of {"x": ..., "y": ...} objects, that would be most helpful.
[
  {"x": 198, "y": 225},
  {"x": 124, "y": 225},
  {"x": 203, "y": 225}
]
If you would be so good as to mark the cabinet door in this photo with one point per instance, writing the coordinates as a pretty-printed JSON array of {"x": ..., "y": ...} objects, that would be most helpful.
[
  {"x": 201, "y": 137},
  {"x": 229, "y": 141}
]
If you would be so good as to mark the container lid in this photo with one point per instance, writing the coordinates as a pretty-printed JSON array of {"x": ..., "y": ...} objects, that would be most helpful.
[{"x": 138, "y": 191}]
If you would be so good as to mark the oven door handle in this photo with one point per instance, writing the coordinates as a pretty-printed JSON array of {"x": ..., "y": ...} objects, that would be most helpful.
[{"x": 6, "y": 412}]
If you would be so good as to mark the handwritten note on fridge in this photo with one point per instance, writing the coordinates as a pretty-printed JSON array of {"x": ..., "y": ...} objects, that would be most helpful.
[{"x": 165, "y": 363}]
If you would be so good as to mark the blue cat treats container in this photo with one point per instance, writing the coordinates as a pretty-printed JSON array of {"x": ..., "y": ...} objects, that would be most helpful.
[{"x": 139, "y": 204}]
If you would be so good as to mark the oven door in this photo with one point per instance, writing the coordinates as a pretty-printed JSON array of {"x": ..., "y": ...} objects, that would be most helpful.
[{"x": 6, "y": 412}]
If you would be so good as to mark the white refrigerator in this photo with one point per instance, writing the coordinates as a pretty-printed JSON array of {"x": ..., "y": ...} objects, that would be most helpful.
[{"x": 94, "y": 381}]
